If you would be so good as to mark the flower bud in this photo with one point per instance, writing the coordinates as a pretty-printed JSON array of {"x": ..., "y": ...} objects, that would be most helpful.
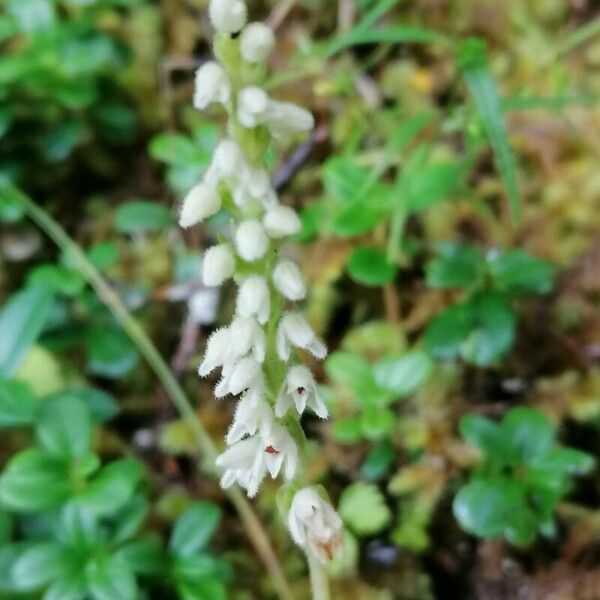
[
  {"x": 281, "y": 221},
  {"x": 228, "y": 161},
  {"x": 294, "y": 330},
  {"x": 253, "y": 104},
  {"x": 202, "y": 201},
  {"x": 228, "y": 16},
  {"x": 284, "y": 118},
  {"x": 256, "y": 42},
  {"x": 251, "y": 241},
  {"x": 212, "y": 85},
  {"x": 253, "y": 299},
  {"x": 218, "y": 265},
  {"x": 288, "y": 280}
]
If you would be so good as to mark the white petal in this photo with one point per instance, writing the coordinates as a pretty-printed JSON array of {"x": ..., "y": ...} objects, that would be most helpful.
[
  {"x": 251, "y": 240},
  {"x": 228, "y": 16},
  {"x": 201, "y": 202},
  {"x": 256, "y": 42},
  {"x": 254, "y": 299},
  {"x": 218, "y": 265},
  {"x": 288, "y": 280},
  {"x": 252, "y": 106},
  {"x": 212, "y": 85},
  {"x": 281, "y": 221},
  {"x": 216, "y": 349}
]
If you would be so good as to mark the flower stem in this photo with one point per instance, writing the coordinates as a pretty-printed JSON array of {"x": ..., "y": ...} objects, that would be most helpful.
[
  {"x": 147, "y": 349},
  {"x": 319, "y": 583}
]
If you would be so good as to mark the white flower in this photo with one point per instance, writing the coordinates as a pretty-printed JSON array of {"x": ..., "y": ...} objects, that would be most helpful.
[
  {"x": 251, "y": 241},
  {"x": 228, "y": 16},
  {"x": 218, "y": 265},
  {"x": 314, "y": 525},
  {"x": 300, "y": 389},
  {"x": 217, "y": 347},
  {"x": 238, "y": 377},
  {"x": 256, "y": 42},
  {"x": 288, "y": 280},
  {"x": 294, "y": 330},
  {"x": 246, "y": 336},
  {"x": 284, "y": 118},
  {"x": 281, "y": 221},
  {"x": 280, "y": 451},
  {"x": 227, "y": 163},
  {"x": 203, "y": 305},
  {"x": 253, "y": 105},
  {"x": 211, "y": 85},
  {"x": 243, "y": 462},
  {"x": 201, "y": 202},
  {"x": 251, "y": 415},
  {"x": 254, "y": 184},
  {"x": 253, "y": 299}
]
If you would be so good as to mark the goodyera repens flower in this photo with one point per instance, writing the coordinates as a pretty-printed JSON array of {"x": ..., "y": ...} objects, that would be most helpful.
[{"x": 255, "y": 352}]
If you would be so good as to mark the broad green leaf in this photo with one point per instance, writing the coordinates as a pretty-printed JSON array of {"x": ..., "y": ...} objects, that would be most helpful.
[
  {"x": 564, "y": 461},
  {"x": 522, "y": 527},
  {"x": 528, "y": 433},
  {"x": 378, "y": 461},
  {"x": 207, "y": 588},
  {"x": 79, "y": 529},
  {"x": 456, "y": 265},
  {"x": 429, "y": 185},
  {"x": 485, "y": 435},
  {"x": 32, "y": 15},
  {"x": 109, "y": 578},
  {"x": 446, "y": 332},
  {"x": 102, "y": 406},
  {"x": 112, "y": 488},
  {"x": 41, "y": 564},
  {"x": 377, "y": 423},
  {"x": 196, "y": 567},
  {"x": 33, "y": 481},
  {"x": 67, "y": 588},
  {"x": 103, "y": 255},
  {"x": 484, "y": 507},
  {"x": 11, "y": 210},
  {"x": 60, "y": 279},
  {"x": 473, "y": 64},
  {"x": 139, "y": 216},
  {"x": 21, "y": 320},
  {"x": 363, "y": 509},
  {"x": 403, "y": 375},
  {"x": 129, "y": 521},
  {"x": 18, "y": 405},
  {"x": 311, "y": 216},
  {"x": 369, "y": 265},
  {"x": 375, "y": 338},
  {"x": 493, "y": 330},
  {"x": 357, "y": 219},
  {"x": 516, "y": 272},
  {"x": 64, "y": 427},
  {"x": 144, "y": 556},
  {"x": 347, "y": 430},
  {"x": 177, "y": 149},
  {"x": 59, "y": 143},
  {"x": 194, "y": 528},
  {"x": 349, "y": 369},
  {"x": 110, "y": 352}
]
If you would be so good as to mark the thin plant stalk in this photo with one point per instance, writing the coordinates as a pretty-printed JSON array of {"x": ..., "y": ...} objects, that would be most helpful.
[
  {"x": 319, "y": 583},
  {"x": 147, "y": 349}
]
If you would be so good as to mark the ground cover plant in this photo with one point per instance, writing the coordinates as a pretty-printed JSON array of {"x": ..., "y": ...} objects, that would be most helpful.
[{"x": 374, "y": 225}]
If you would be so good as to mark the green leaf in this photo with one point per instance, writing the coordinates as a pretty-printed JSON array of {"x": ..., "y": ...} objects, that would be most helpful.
[
  {"x": 11, "y": 210},
  {"x": 562, "y": 460},
  {"x": 18, "y": 405},
  {"x": 110, "y": 352},
  {"x": 363, "y": 508},
  {"x": 378, "y": 461},
  {"x": 40, "y": 565},
  {"x": 64, "y": 427},
  {"x": 405, "y": 374},
  {"x": 522, "y": 527},
  {"x": 102, "y": 406},
  {"x": 457, "y": 265},
  {"x": 528, "y": 432},
  {"x": 144, "y": 556},
  {"x": 347, "y": 431},
  {"x": 112, "y": 488},
  {"x": 32, "y": 15},
  {"x": 34, "y": 480},
  {"x": 109, "y": 578},
  {"x": 445, "y": 333},
  {"x": 482, "y": 87},
  {"x": 103, "y": 255},
  {"x": 59, "y": 143},
  {"x": 484, "y": 507},
  {"x": 369, "y": 266},
  {"x": 484, "y": 434},
  {"x": 492, "y": 332},
  {"x": 207, "y": 588},
  {"x": 429, "y": 185},
  {"x": 357, "y": 219},
  {"x": 67, "y": 588},
  {"x": 350, "y": 370},
  {"x": 311, "y": 216},
  {"x": 344, "y": 181},
  {"x": 194, "y": 528},
  {"x": 129, "y": 521},
  {"x": 139, "y": 216},
  {"x": 60, "y": 279},
  {"x": 516, "y": 272},
  {"x": 177, "y": 149},
  {"x": 377, "y": 423},
  {"x": 21, "y": 320}
]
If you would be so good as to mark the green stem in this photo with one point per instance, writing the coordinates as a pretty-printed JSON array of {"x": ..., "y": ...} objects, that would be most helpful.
[
  {"x": 319, "y": 583},
  {"x": 147, "y": 349}
]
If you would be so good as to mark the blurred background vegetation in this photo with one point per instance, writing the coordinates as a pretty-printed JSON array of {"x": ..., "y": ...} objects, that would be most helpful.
[{"x": 450, "y": 198}]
